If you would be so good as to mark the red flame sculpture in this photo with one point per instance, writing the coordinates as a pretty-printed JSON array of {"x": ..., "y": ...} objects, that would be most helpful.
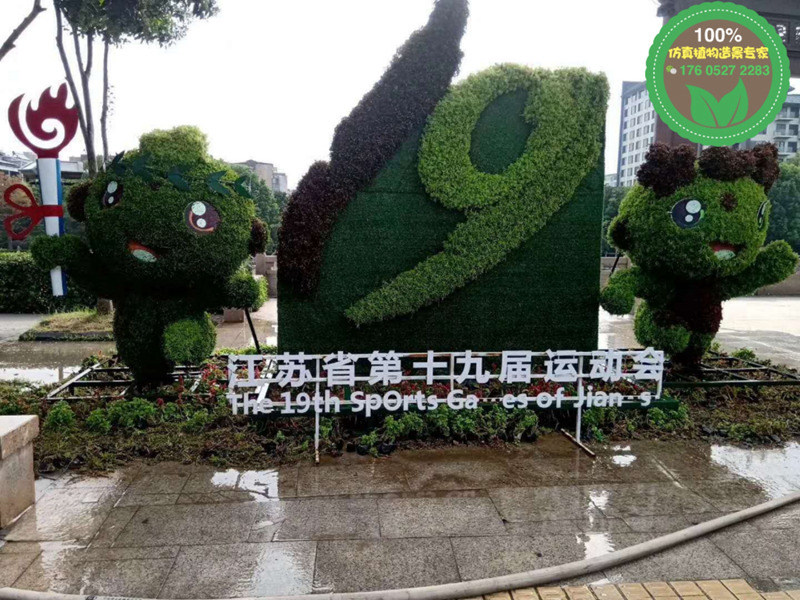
[
  {"x": 53, "y": 112},
  {"x": 34, "y": 212}
]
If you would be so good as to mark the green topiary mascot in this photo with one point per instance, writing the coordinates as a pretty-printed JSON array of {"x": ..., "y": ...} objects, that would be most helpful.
[
  {"x": 694, "y": 233},
  {"x": 168, "y": 231}
]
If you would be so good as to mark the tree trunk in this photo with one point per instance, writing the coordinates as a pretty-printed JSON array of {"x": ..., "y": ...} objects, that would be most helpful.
[
  {"x": 86, "y": 73},
  {"x": 8, "y": 45},
  {"x": 104, "y": 307},
  {"x": 104, "y": 112},
  {"x": 70, "y": 79}
]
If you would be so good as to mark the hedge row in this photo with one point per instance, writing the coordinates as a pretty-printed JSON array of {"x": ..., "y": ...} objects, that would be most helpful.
[
  {"x": 504, "y": 209},
  {"x": 25, "y": 288},
  {"x": 363, "y": 142}
]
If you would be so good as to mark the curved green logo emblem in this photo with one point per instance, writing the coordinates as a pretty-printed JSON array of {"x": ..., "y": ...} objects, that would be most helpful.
[{"x": 718, "y": 73}]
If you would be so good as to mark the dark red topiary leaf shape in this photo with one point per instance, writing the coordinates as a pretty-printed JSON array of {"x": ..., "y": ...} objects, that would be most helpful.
[{"x": 399, "y": 103}]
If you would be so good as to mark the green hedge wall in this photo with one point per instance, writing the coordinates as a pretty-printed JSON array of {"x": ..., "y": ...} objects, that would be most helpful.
[
  {"x": 25, "y": 288},
  {"x": 542, "y": 293},
  {"x": 516, "y": 198}
]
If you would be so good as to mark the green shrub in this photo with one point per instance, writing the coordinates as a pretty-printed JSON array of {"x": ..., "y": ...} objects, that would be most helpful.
[
  {"x": 527, "y": 425},
  {"x": 60, "y": 417},
  {"x": 97, "y": 422},
  {"x": 132, "y": 414},
  {"x": 745, "y": 354},
  {"x": 197, "y": 422},
  {"x": 25, "y": 288},
  {"x": 172, "y": 412}
]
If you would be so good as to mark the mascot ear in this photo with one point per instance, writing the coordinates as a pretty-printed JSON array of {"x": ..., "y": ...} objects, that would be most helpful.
[
  {"x": 767, "y": 169},
  {"x": 666, "y": 169},
  {"x": 259, "y": 236},
  {"x": 76, "y": 199}
]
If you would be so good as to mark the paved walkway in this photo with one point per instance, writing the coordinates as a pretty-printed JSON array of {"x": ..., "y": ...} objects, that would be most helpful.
[
  {"x": 416, "y": 518},
  {"x": 51, "y": 362},
  {"x": 727, "y": 589},
  {"x": 768, "y": 325}
]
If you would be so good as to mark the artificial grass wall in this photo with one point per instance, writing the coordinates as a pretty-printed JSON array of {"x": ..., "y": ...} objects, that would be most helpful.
[{"x": 543, "y": 295}]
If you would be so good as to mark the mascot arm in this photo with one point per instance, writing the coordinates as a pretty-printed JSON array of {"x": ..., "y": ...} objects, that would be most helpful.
[
  {"x": 71, "y": 253},
  {"x": 619, "y": 295},
  {"x": 775, "y": 262}
]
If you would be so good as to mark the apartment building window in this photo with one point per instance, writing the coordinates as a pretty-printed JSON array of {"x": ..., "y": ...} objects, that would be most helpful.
[
  {"x": 795, "y": 111},
  {"x": 780, "y": 128},
  {"x": 792, "y": 146},
  {"x": 793, "y": 129},
  {"x": 623, "y": 148},
  {"x": 622, "y": 162},
  {"x": 624, "y": 136}
]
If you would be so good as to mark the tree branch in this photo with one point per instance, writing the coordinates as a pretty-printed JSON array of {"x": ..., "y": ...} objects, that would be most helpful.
[
  {"x": 104, "y": 110},
  {"x": 85, "y": 71},
  {"x": 68, "y": 74},
  {"x": 8, "y": 45}
]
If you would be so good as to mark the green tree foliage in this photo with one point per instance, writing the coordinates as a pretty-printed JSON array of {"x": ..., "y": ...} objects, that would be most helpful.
[
  {"x": 113, "y": 23},
  {"x": 784, "y": 222},
  {"x": 268, "y": 209}
]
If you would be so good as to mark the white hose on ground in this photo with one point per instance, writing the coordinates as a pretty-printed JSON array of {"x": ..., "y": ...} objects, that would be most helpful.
[{"x": 480, "y": 587}]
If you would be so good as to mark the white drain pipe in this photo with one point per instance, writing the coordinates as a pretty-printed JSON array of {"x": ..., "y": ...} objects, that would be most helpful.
[{"x": 480, "y": 587}]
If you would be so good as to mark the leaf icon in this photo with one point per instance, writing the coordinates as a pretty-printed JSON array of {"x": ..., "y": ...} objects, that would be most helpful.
[
  {"x": 702, "y": 106},
  {"x": 733, "y": 106},
  {"x": 710, "y": 112}
]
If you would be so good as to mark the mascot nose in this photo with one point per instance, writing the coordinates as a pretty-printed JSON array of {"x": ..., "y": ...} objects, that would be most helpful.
[{"x": 729, "y": 201}]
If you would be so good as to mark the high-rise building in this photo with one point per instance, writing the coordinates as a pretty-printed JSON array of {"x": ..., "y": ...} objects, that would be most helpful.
[
  {"x": 784, "y": 131},
  {"x": 267, "y": 173},
  {"x": 637, "y": 130},
  {"x": 280, "y": 183}
]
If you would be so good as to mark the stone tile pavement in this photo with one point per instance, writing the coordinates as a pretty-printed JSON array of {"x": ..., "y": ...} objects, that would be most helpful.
[{"x": 417, "y": 518}]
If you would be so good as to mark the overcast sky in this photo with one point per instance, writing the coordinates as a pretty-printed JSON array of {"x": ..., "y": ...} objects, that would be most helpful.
[{"x": 270, "y": 79}]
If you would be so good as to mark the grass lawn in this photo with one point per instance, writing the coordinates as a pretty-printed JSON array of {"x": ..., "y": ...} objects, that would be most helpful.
[{"x": 71, "y": 326}]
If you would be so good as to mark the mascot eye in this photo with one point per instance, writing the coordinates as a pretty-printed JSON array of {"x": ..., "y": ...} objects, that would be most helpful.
[
  {"x": 688, "y": 213},
  {"x": 762, "y": 215},
  {"x": 112, "y": 195},
  {"x": 201, "y": 217}
]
